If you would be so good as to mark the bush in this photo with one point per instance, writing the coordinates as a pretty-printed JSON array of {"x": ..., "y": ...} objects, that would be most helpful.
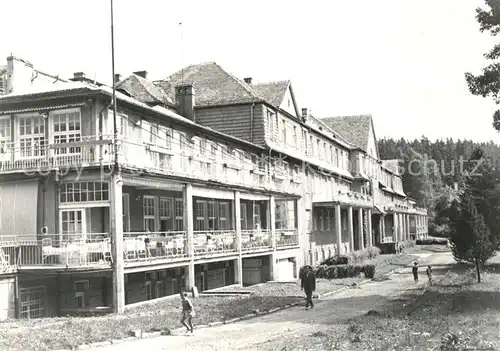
[
  {"x": 369, "y": 271},
  {"x": 344, "y": 271},
  {"x": 432, "y": 241},
  {"x": 406, "y": 244},
  {"x": 355, "y": 257}
]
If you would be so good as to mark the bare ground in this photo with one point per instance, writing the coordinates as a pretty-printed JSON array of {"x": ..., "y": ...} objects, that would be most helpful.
[{"x": 286, "y": 330}]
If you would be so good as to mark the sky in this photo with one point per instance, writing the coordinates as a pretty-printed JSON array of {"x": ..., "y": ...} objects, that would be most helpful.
[{"x": 401, "y": 61}]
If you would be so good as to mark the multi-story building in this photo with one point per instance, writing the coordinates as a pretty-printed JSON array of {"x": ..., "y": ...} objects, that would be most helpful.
[{"x": 210, "y": 181}]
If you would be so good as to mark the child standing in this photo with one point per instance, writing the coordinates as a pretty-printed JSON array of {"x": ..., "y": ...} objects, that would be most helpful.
[
  {"x": 415, "y": 272},
  {"x": 429, "y": 274}
]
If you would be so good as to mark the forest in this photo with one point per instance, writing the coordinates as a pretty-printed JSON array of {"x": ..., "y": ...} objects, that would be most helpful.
[{"x": 431, "y": 169}]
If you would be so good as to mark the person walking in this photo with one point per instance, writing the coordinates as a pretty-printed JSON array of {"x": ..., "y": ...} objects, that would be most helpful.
[
  {"x": 415, "y": 272},
  {"x": 187, "y": 312},
  {"x": 429, "y": 274},
  {"x": 308, "y": 284}
]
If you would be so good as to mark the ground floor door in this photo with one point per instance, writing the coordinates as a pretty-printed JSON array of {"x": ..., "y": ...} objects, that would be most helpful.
[
  {"x": 32, "y": 302},
  {"x": 285, "y": 270}
]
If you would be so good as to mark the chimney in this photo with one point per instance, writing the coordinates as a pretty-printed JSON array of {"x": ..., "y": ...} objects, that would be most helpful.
[
  {"x": 248, "y": 80},
  {"x": 143, "y": 74},
  {"x": 78, "y": 75},
  {"x": 185, "y": 98},
  {"x": 305, "y": 114},
  {"x": 117, "y": 77}
]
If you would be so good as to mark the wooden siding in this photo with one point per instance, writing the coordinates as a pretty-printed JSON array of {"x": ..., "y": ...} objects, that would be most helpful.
[{"x": 235, "y": 121}]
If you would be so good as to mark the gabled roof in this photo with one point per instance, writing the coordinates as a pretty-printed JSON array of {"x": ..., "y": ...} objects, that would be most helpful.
[
  {"x": 143, "y": 90},
  {"x": 272, "y": 92},
  {"x": 213, "y": 86},
  {"x": 355, "y": 129}
]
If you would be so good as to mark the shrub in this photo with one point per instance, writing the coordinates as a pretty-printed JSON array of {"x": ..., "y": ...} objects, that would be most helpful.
[
  {"x": 432, "y": 241},
  {"x": 335, "y": 260},
  {"x": 373, "y": 252},
  {"x": 369, "y": 271}
]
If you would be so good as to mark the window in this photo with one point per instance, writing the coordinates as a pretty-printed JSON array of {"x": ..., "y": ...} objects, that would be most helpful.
[
  {"x": 179, "y": 214},
  {"x": 311, "y": 145},
  {"x": 324, "y": 151},
  {"x": 270, "y": 122},
  {"x": 149, "y": 212},
  {"x": 72, "y": 222},
  {"x": 126, "y": 212},
  {"x": 243, "y": 216},
  {"x": 304, "y": 140},
  {"x": 224, "y": 215},
  {"x": 80, "y": 287},
  {"x": 256, "y": 214},
  {"x": 295, "y": 137},
  {"x": 331, "y": 154},
  {"x": 66, "y": 129},
  {"x": 84, "y": 192},
  {"x": 4, "y": 135},
  {"x": 32, "y": 302},
  {"x": 321, "y": 222},
  {"x": 201, "y": 211},
  {"x": 123, "y": 125},
  {"x": 203, "y": 146},
  {"x": 213, "y": 152},
  {"x": 342, "y": 158},
  {"x": 318, "y": 149},
  {"x": 149, "y": 291},
  {"x": 166, "y": 211},
  {"x": 31, "y": 136},
  {"x": 283, "y": 131},
  {"x": 285, "y": 214},
  {"x": 212, "y": 215},
  {"x": 159, "y": 289},
  {"x": 337, "y": 157}
]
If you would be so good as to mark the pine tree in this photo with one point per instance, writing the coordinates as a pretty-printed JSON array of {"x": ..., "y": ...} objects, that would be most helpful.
[
  {"x": 470, "y": 236},
  {"x": 488, "y": 82}
]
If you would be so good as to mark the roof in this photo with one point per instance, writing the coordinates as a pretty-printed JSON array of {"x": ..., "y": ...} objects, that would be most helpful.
[
  {"x": 391, "y": 165},
  {"x": 143, "y": 90},
  {"x": 213, "y": 86},
  {"x": 80, "y": 87},
  {"x": 355, "y": 129},
  {"x": 272, "y": 92}
]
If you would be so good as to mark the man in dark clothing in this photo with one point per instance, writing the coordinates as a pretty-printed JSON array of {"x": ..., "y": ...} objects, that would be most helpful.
[
  {"x": 308, "y": 283},
  {"x": 187, "y": 312},
  {"x": 415, "y": 272}
]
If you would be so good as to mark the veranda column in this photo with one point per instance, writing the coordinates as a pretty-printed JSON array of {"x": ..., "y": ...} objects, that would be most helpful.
[
  {"x": 188, "y": 227},
  {"x": 369, "y": 242},
  {"x": 272, "y": 227},
  {"x": 338, "y": 229},
  {"x": 360, "y": 229},
  {"x": 403, "y": 227},
  {"x": 237, "y": 226},
  {"x": 116, "y": 214},
  {"x": 382, "y": 228},
  {"x": 350, "y": 227},
  {"x": 395, "y": 229},
  {"x": 408, "y": 235}
]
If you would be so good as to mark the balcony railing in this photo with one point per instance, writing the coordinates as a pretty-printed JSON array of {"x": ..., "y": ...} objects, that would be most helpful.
[
  {"x": 68, "y": 250},
  {"x": 141, "y": 246},
  {"x": 286, "y": 238},
  {"x": 211, "y": 242},
  {"x": 88, "y": 152},
  {"x": 256, "y": 240}
]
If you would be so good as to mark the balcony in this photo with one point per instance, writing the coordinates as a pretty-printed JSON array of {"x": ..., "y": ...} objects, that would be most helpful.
[
  {"x": 85, "y": 153},
  {"x": 154, "y": 247},
  {"x": 57, "y": 250},
  {"x": 354, "y": 199},
  {"x": 256, "y": 240},
  {"x": 286, "y": 238},
  {"x": 214, "y": 242}
]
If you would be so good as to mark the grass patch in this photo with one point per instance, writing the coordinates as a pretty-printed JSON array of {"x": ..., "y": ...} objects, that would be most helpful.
[
  {"x": 59, "y": 333},
  {"x": 455, "y": 314}
]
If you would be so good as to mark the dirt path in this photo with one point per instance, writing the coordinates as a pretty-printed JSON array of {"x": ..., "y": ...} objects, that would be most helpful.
[{"x": 271, "y": 330}]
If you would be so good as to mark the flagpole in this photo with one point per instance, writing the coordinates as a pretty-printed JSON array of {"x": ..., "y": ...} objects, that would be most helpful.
[{"x": 115, "y": 127}]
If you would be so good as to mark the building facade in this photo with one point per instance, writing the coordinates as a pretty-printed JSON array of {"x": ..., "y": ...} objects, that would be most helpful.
[{"x": 210, "y": 181}]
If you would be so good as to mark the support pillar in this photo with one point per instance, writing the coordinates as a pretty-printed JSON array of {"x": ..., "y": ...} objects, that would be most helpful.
[
  {"x": 382, "y": 231},
  {"x": 116, "y": 215},
  {"x": 408, "y": 234},
  {"x": 395, "y": 230},
  {"x": 188, "y": 226},
  {"x": 350, "y": 228},
  {"x": 338, "y": 229},
  {"x": 360, "y": 229},
  {"x": 272, "y": 227},
  {"x": 369, "y": 237},
  {"x": 237, "y": 226}
]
